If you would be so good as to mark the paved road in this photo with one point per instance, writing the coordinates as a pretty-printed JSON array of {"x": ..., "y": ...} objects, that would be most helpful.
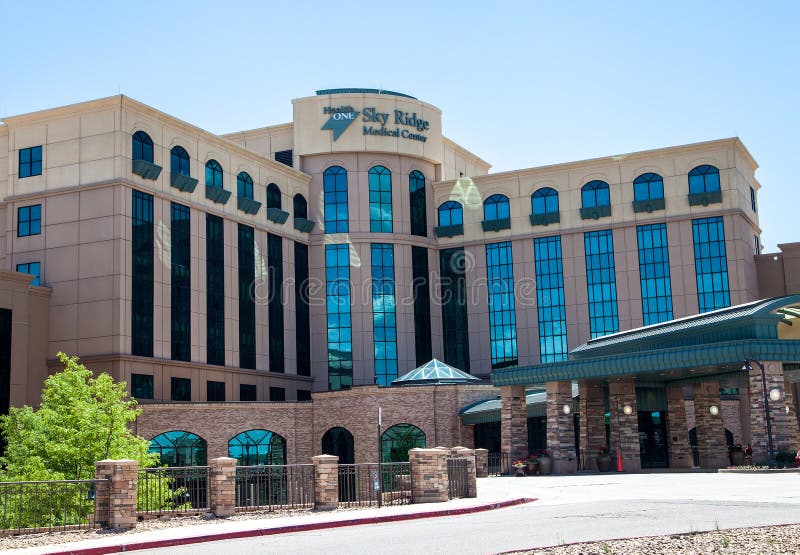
[{"x": 571, "y": 508}]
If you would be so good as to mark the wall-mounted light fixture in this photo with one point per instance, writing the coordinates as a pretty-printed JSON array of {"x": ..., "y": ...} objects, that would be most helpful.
[
  {"x": 775, "y": 394},
  {"x": 567, "y": 409},
  {"x": 714, "y": 410},
  {"x": 627, "y": 409}
]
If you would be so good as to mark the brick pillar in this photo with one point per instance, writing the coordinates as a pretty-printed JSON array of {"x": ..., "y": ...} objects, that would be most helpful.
[
  {"x": 115, "y": 500},
  {"x": 784, "y": 425},
  {"x": 624, "y": 427},
  {"x": 561, "y": 427},
  {"x": 678, "y": 446},
  {"x": 481, "y": 463},
  {"x": 592, "y": 408},
  {"x": 513, "y": 422},
  {"x": 222, "y": 486},
  {"x": 712, "y": 447},
  {"x": 326, "y": 482},
  {"x": 428, "y": 475}
]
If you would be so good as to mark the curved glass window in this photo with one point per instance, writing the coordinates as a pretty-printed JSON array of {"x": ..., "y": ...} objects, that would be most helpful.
[
  {"x": 594, "y": 194},
  {"x": 257, "y": 447},
  {"x": 300, "y": 206},
  {"x": 544, "y": 201},
  {"x": 179, "y": 448},
  {"x": 704, "y": 179},
  {"x": 213, "y": 174},
  {"x": 142, "y": 147},
  {"x": 648, "y": 186},
  {"x": 450, "y": 213},
  {"x": 334, "y": 185},
  {"x": 179, "y": 161},
  {"x": 419, "y": 210},
  {"x": 273, "y": 196},
  {"x": 397, "y": 440},
  {"x": 496, "y": 208},
  {"x": 244, "y": 185},
  {"x": 380, "y": 200}
]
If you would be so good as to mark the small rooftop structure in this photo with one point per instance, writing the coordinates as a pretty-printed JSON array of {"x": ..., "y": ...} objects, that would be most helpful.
[{"x": 435, "y": 372}]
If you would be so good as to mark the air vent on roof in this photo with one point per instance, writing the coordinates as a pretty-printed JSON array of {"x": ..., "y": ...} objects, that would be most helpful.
[{"x": 284, "y": 157}]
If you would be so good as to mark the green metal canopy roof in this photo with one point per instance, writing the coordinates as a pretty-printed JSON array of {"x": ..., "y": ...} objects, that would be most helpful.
[
  {"x": 435, "y": 372},
  {"x": 489, "y": 410}
]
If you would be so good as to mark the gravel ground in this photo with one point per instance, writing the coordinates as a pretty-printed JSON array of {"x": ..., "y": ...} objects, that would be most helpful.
[{"x": 753, "y": 541}]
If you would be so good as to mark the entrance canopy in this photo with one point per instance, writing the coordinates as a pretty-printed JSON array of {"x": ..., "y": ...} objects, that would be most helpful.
[{"x": 688, "y": 348}]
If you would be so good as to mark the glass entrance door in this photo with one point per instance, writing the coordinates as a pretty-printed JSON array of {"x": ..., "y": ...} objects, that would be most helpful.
[{"x": 653, "y": 439}]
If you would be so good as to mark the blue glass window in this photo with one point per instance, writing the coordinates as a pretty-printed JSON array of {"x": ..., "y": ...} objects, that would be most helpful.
[
  {"x": 550, "y": 299},
  {"x": 594, "y": 194},
  {"x": 380, "y": 200},
  {"x": 257, "y": 447},
  {"x": 29, "y": 220},
  {"x": 274, "y": 196},
  {"x": 502, "y": 319},
  {"x": 213, "y": 174},
  {"x": 334, "y": 184},
  {"x": 142, "y": 271},
  {"x": 711, "y": 264},
  {"x": 455, "y": 324},
  {"x": 703, "y": 179},
  {"x": 450, "y": 213},
  {"x": 601, "y": 283},
  {"x": 181, "y": 286},
  {"x": 299, "y": 205},
  {"x": 340, "y": 340},
  {"x": 244, "y": 185},
  {"x": 419, "y": 206},
  {"x": 496, "y": 208},
  {"x": 30, "y": 161},
  {"x": 247, "y": 305},
  {"x": 384, "y": 320},
  {"x": 398, "y": 440},
  {"x": 33, "y": 268},
  {"x": 179, "y": 448},
  {"x": 544, "y": 201},
  {"x": 179, "y": 161},
  {"x": 753, "y": 199},
  {"x": 757, "y": 244},
  {"x": 648, "y": 186},
  {"x": 654, "y": 273},
  {"x": 142, "y": 147}
]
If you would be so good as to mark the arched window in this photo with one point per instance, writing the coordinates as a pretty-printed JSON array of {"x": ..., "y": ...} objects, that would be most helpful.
[
  {"x": 339, "y": 441},
  {"x": 594, "y": 194},
  {"x": 397, "y": 440},
  {"x": 179, "y": 161},
  {"x": 380, "y": 200},
  {"x": 703, "y": 179},
  {"x": 544, "y": 201},
  {"x": 419, "y": 214},
  {"x": 213, "y": 174},
  {"x": 179, "y": 448},
  {"x": 300, "y": 206},
  {"x": 496, "y": 208},
  {"x": 273, "y": 196},
  {"x": 142, "y": 147},
  {"x": 648, "y": 186},
  {"x": 244, "y": 185},
  {"x": 257, "y": 447},
  {"x": 450, "y": 213},
  {"x": 334, "y": 185}
]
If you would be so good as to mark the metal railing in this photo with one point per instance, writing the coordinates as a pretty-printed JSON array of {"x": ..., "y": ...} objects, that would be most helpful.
[
  {"x": 498, "y": 464},
  {"x": 362, "y": 485},
  {"x": 172, "y": 490},
  {"x": 457, "y": 477},
  {"x": 46, "y": 506},
  {"x": 261, "y": 488}
]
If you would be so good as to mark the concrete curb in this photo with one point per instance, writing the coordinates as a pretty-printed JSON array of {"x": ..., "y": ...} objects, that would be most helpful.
[{"x": 155, "y": 544}]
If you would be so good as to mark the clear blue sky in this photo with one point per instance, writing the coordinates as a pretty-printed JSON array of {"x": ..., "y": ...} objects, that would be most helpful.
[{"x": 520, "y": 84}]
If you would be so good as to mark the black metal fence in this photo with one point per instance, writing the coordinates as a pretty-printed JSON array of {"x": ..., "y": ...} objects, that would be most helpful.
[
  {"x": 172, "y": 490},
  {"x": 261, "y": 488},
  {"x": 498, "y": 464},
  {"x": 27, "y": 507},
  {"x": 458, "y": 477},
  {"x": 362, "y": 485}
]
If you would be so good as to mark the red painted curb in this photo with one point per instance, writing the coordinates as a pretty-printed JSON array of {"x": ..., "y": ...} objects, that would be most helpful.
[{"x": 155, "y": 544}]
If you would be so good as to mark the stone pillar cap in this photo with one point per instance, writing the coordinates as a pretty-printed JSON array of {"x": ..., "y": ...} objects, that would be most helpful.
[
  {"x": 429, "y": 450},
  {"x": 325, "y": 458},
  {"x": 116, "y": 461},
  {"x": 223, "y": 459}
]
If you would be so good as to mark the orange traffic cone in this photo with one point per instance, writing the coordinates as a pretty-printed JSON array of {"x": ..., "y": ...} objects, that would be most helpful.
[{"x": 619, "y": 462}]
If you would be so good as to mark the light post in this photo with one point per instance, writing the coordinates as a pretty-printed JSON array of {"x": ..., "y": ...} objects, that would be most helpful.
[{"x": 774, "y": 394}]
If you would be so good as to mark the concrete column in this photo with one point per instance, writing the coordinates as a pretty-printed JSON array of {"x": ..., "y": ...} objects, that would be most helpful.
[
  {"x": 428, "y": 475},
  {"x": 678, "y": 446},
  {"x": 222, "y": 486},
  {"x": 624, "y": 427},
  {"x": 711, "y": 445},
  {"x": 513, "y": 422},
  {"x": 115, "y": 499},
  {"x": 561, "y": 427},
  {"x": 481, "y": 463},
  {"x": 592, "y": 423},
  {"x": 783, "y": 423},
  {"x": 326, "y": 482}
]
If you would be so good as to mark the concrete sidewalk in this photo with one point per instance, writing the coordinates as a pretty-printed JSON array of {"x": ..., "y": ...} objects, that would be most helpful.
[{"x": 492, "y": 494}]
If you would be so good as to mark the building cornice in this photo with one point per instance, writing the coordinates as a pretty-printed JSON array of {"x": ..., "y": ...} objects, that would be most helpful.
[{"x": 466, "y": 153}]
